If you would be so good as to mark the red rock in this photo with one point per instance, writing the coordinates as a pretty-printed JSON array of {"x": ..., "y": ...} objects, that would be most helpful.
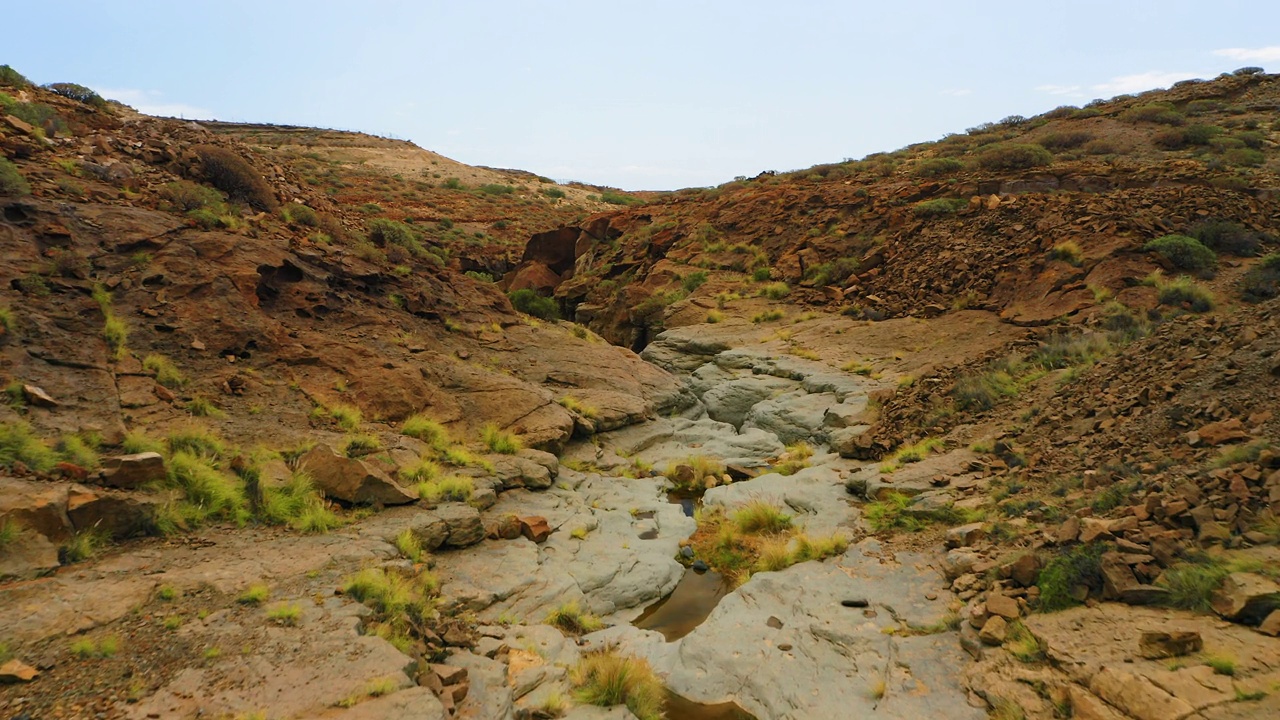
[
  {"x": 1221, "y": 433},
  {"x": 535, "y": 527}
]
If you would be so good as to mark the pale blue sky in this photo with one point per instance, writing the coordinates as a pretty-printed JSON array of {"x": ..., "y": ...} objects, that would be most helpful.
[{"x": 641, "y": 95}]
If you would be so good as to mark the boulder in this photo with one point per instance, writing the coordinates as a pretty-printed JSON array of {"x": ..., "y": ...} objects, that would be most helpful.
[
  {"x": 40, "y": 507},
  {"x": 463, "y": 522},
  {"x": 131, "y": 471},
  {"x": 504, "y": 527},
  {"x": 543, "y": 458},
  {"x": 28, "y": 555},
  {"x": 517, "y": 471},
  {"x": 1221, "y": 433},
  {"x": 116, "y": 513},
  {"x": 16, "y": 671},
  {"x": 429, "y": 529},
  {"x": 351, "y": 480},
  {"x": 37, "y": 397},
  {"x": 965, "y": 535},
  {"x": 535, "y": 527},
  {"x": 1117, "y": 577},
  {"x": 1155, "y": 644},
  {"x": 1271, "y": 624},
  {"x": 1004, "y": 606},
  {"x": 1246, "y": 598},
  {"x": 1025, "y": 570},
  {"x": 994, "y": 631},
  {"x": 1086, "y": 706}
]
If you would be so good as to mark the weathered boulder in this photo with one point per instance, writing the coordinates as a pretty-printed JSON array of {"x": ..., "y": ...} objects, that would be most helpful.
[
  {"x": 28, "y": 555},
  {"x": 40, "y": 507},
  {"x": 535, "y": 527},
  {"x": 16, "y": 671},
  {"x": 118, "y": 514},
  {"x": 1221, "y": 433},
  {"x": 463, "y": 522},
  {"x": 1156, "y": 644},
  {"x": 994, "y": 631},
  {"x": 1004, "y": 606},
  {"x": 1246, "y": 597},
  {"x": 429, "y": 529},
  {"x": 1271, "y": 624},
  {"x": 36, "y": 396},
  {"x": 965, "y": 535},
  {"x": 351, "y": 480},
  {"x": 519, "y": 471},
  {"x": 131, "y": 471}
]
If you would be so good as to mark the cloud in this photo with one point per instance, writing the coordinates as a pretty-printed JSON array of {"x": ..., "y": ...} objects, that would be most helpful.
[
  {"x": 1126, "y": 84},
  {"x": 1262, "y": 54},
  {"x": 956, "y": 92},
  {"x": 152, "y": 102},
  {"x": 1067, "y": 90}
]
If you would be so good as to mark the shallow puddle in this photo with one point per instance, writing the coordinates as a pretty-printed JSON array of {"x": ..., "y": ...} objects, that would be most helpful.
[
  {"x": 678, "y": 708},
  {"x": 677, "y": 614}
]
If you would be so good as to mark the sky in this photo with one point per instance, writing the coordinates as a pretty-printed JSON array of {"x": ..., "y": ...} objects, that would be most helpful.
[{"x": 653, "y": 95}]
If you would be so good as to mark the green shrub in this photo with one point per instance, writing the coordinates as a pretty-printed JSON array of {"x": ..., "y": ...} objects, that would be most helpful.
[
  {"x": 1184, "y": 292},
  {"x": 12, "y": 78},
  {"x": 553, "y": 193},
  {"x": 937, "y": 208},
  {"x": 1160, "y": 113},
  {"x": 11, "y": 181},
  {"x": 479, "y": 276},
  {"x": 1262, "y": 282},
  {"x": 1059, "y": 141},
  {"x": 187, "y": 196},
  {"x": 79, "y": 93},
  {"x": 1074, "y": 567},
  {"x": 694, "y": 280},
  {"x": 1245, "y": 157},
  {"x": 1227, "y": 237},
  {"x": 617, "y": 198},
  {"x": 496, "y": 189},
  {"x": 78, "y": 451},
  {"x": 389, "y": 232},
  {"x": 937, "y": 167},
  {"x": 39, "y": 115},
  {"x": 1185, "y": 253},
  {"x": 236, "y": 177},
  {"x": 301, "y": 215},
  {"x": 775, "y": 290},
  {"x": 531, "y": 303},
  {"x": 1014, "y": 156},
  {"x": 360, "y": 445}
]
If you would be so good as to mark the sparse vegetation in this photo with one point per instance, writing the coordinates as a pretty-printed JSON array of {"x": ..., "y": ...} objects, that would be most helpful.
[
  {"x": 285, "y": 614},
  {"x": 83, "y": 545},
  {"x": 255, "y": 594},
  {"x": 1068, "y": 252},
  {"x": 911, "y": 454},
  {"x": 167, "y": 374},
  {"x": 940, "y": 207},
  {"x": 427, "y": 430},
  {"x": 348, "y": 417},
  {"x": 775, "y": 291},
  {"x": 1014, "y": 156},
  {"x": 499, "y": 440},
  {"x": 607, "y": 679},
  {"x": 451, "y": 488},
  {"x": 1184, "y": 293},
  {"x": 11, "y": 181},
  {"x": 1072, "y": 569},
  {"x": 704, "y": 471},
  {"x": 233, "y": 175},
  {"x": 760, "y": 516},
  {"x": 571, "y": 618}
]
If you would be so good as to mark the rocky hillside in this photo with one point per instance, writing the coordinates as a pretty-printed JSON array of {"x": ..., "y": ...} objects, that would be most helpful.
[
  {"x": 1032, "y": 218},
  {"x": 982, "y": 427}
]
